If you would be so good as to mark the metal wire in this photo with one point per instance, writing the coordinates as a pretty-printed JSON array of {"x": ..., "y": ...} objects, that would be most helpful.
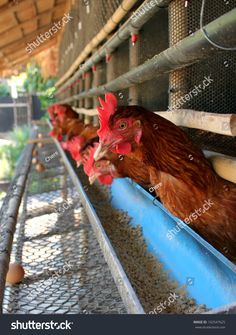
[
  {"x": 65, "y": 271},
  {"x": 205, "y": 33},
  {"x": 218, "y": 97}
]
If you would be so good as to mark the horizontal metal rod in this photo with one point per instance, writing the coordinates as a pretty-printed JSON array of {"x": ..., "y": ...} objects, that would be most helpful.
[
  {"x": 134, "y": 23},
  {"x": 188, "y": 51}
]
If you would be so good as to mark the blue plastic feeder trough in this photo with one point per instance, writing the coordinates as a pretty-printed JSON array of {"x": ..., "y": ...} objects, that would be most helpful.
[{"x": 210, "y": 277}]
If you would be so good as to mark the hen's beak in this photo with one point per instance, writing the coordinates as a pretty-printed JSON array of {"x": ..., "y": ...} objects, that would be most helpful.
[
  {"x": 101, "y": 151},
  {"x": 78, "y": 163},
  {"x": 92, "y": 178}
]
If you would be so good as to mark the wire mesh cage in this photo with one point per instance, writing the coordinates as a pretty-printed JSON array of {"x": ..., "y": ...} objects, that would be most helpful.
[
  {"x": 208, "y": 85},
  {"x": 89, "y": 17},
  {"x": 65, "y": 271},
  {"x": 213, "y": 78}
]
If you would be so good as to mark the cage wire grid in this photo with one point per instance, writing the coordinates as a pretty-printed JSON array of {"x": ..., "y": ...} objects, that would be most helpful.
[
  {"x": 65, "y": 271},
  {"x": 89, "y": 17},
  {"x": 218, "y": 97},
  {"x": 166, "y": 28}
]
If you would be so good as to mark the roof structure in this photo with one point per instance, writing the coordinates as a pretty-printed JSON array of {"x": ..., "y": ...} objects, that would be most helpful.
[{"x": 21, "y": 23}]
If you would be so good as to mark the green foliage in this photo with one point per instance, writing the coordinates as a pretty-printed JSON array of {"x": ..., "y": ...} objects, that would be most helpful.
[
  {"x": 10, "y": 153},
  {"x": 4, "y": 90},
  {"x": 35, "y": 83},
  {"x": 45, "y": 117}
]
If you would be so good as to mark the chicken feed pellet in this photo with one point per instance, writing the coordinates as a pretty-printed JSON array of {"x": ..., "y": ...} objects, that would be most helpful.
[{"x": 157, "y": 293}]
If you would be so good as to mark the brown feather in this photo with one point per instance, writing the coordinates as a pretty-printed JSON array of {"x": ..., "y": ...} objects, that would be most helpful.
[{"x": 187, "y": 178}]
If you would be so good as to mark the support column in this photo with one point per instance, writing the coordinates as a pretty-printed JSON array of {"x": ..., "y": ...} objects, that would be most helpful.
[
  {"x": 97, "y": 81},
  {"x": 133, "y": 63},
  {"x": 88, "y": 101},
  {"x": 81, "y": 101},
  {"x": 177, "y": 32}
]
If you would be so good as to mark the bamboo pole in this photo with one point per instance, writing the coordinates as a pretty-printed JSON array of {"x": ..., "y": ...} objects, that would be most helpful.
[
  {"x": 90, "y": 112},
  {"x": 224, "y": 166},
  {"x": 136, "y": 21},
  {"x": 224, "y": 124},
  {"x": 188, "y": 51}
]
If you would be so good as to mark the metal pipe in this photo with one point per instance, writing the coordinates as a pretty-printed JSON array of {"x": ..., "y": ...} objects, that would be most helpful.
[
  {"x": 134, "y": 23},
  {"x": 190, "y": 50},
  {"x": 134, "y": 52},
  {"x": 111, "y": 24}
]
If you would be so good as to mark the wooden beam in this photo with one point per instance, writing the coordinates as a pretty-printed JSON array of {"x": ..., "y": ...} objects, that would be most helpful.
[
  {"x": 5, "y": 34},
  {"x": 54, "y": 3},
  {"x": 11, "y": 8},
  {"x": 17, "y": 23},
  {"x": 36, "y": 16},
  {"x": 20, "y": 53},
  {"x": 27, "y": 39},
  {"x": 25, "y": 58},
  {"x": 4, "y": 58}
]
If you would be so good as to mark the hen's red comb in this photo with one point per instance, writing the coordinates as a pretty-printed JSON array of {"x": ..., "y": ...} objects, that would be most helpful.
[
  {"x": 104, "y": 113},
  {"x": 88, "y": 159}
]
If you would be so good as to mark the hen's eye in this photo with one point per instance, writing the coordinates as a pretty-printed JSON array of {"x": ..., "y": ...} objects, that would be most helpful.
[
  {"x": 123, "y": 125},
  {"x": 98, "y": 165}
]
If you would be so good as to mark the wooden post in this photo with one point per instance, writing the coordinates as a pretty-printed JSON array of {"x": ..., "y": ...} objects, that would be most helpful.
[
  {"x": 177, "y": 32},
  {"x": 97, "y": 81},
  {"x": 15, "y": 113},
  {"x": 29, "y": 109},
  {"x": 81, "y": 101},
  {"x": 133, "y": 62},
  {"x": 88, "y": 101}
]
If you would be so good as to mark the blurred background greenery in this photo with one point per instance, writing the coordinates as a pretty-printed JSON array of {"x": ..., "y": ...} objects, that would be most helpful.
[
  {"x": 31, "y": 82},
  {"x": 36, "y": 84},
  {"x": 10, "y": 153}
]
